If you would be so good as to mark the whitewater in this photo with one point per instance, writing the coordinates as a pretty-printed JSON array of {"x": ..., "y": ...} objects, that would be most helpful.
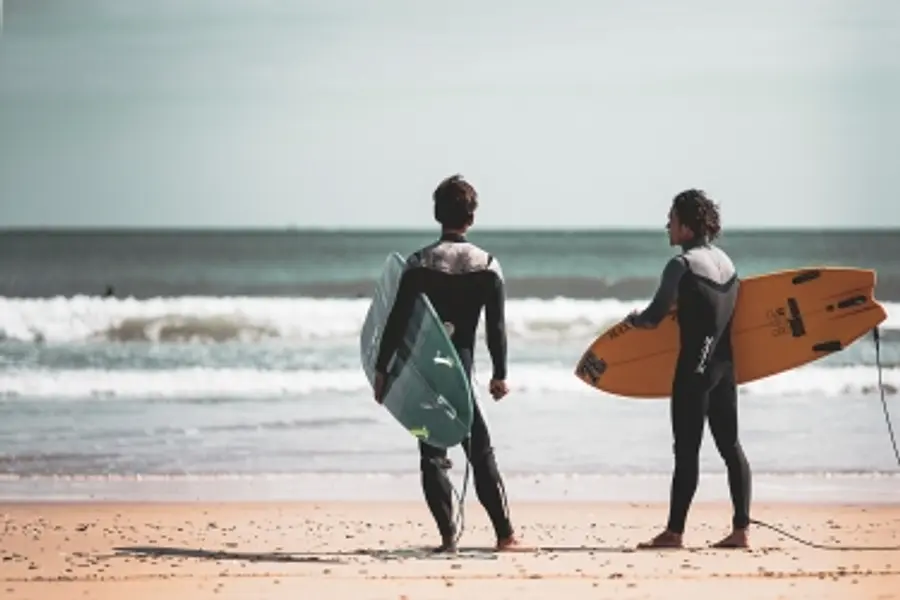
[
  {"x": 98, "y": 392},
  {"x": 163, "y": 319},
  {"x": 191, "y": 347}
]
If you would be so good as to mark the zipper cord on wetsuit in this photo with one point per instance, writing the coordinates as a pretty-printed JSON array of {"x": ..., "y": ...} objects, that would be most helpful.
[{"x": 887, "y": 417}]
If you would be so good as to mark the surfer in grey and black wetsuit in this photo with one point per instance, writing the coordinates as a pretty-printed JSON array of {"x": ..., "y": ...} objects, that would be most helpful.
[
  {"x": 703, "y": 284},
  {"x": 459, "y": 279}
]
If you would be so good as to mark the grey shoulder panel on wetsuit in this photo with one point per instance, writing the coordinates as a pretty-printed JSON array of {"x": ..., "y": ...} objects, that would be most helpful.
[
  {"x": 455, "y": 258},
  {"x": 710, "y": 263},
  {"x": 706, "y": 262}
]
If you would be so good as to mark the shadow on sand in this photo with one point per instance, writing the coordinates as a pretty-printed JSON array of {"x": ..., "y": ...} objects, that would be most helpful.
[{"x": 343, "y": 556}]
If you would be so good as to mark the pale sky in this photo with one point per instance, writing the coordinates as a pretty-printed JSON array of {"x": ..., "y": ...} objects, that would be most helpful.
[{"x": 347, "y": 113}]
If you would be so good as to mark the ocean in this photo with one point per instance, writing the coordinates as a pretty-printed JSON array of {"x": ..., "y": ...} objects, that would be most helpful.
[{"x": 232, "y": 358}]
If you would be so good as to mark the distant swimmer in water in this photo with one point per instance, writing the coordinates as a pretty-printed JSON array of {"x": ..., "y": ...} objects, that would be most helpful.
[
  {"x": 703, "y": 284},
  {"x": 110, "y": 292}
]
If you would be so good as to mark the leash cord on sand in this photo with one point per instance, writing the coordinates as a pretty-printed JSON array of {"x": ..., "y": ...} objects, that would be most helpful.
[{"x": 890, "y": 426}]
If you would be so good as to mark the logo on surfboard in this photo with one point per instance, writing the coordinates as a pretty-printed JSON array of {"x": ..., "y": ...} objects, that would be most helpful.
[
  {"x": 591, "y": 367},
  {"x": 420, "y": 432},
  {"x": 442, "y": 360},
  {"x": 440, "y": 403}
]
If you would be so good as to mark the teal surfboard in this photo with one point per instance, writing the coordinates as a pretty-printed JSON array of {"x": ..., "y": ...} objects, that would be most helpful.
[{"x": 427, "y": 389}]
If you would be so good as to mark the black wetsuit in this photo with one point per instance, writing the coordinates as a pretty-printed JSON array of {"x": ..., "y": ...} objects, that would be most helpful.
[
  {"x": 704, "y": 283},
  {"x": 459, "y": 279}
]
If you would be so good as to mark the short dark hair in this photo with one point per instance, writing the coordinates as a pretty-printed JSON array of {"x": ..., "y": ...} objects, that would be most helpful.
[
  {"x": 455, "y": 202},
  {"x": 698, "y": 212}
]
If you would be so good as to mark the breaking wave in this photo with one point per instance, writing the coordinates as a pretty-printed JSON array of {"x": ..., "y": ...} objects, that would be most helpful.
[
  {"x": 259, "y": 384},
  {"x": 214, "y": 319}
]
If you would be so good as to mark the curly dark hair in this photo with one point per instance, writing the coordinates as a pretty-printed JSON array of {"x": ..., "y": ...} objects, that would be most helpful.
[
  {"x": 455, "y": 202},
  {"x": 698, "y": 213}
]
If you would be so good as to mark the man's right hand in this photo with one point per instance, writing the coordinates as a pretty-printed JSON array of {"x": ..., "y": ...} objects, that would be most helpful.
[{"x": 498, "y": 388}]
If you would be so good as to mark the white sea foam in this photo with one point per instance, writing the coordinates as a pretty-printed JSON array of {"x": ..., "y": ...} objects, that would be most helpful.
[
  {"x": 253, "y": 384},
  {"x": 58, "y": 320}
]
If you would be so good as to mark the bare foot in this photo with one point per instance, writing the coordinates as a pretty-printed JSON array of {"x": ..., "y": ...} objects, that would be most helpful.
[
  {"x": 736, "y": 539},
  {"x": 667, "y": 539},
  {"x": 512, "y": 544}
]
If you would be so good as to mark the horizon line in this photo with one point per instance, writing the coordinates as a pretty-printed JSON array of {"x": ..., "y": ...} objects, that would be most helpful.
[{"x": 409, "y": 229}]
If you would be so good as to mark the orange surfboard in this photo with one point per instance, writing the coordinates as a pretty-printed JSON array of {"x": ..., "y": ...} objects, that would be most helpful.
[{"x": 782, "y": 320}]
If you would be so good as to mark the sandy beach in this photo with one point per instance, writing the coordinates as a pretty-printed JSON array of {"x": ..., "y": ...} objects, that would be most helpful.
[{"x": 377, "y": 550}]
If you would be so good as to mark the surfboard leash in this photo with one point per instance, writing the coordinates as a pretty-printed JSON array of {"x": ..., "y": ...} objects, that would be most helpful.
[
  {"x": 887, "y": 415},
  {"x": 460, "y": 523},
  {"x": 461, "y": 497},
  {"x": 887, "y": 418}
]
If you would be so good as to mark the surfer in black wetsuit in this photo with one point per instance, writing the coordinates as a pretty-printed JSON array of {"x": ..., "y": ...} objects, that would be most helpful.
[
  {"x": 460, "y": 279},
  {"x": 703, "y": 284}
]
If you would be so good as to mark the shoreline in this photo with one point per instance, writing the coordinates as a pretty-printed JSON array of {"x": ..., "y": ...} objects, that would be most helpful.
[{"x": 874, "y": 489}]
